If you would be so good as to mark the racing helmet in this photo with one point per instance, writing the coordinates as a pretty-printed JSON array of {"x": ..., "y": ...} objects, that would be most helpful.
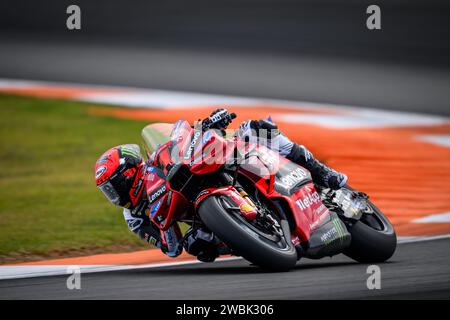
[{"x": 119, "y": 175}]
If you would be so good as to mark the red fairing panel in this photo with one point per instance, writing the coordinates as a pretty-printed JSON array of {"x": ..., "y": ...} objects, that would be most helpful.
[
  {"x": 165, "y": 204},
  {"x": 308, "y": 209},
  {"x": 279, "y": 178},
  {"x": 208, "y": 154},
  {"x": 202, "y": 152}
]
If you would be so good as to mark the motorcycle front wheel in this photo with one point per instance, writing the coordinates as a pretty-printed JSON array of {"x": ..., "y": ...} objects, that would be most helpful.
[{"x": 269, "y": 250}]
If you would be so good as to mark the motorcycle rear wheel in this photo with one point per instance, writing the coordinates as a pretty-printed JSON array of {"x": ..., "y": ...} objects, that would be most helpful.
[
  {"x": 373, "y": 237},
  {"x": 242, "y": 238}
]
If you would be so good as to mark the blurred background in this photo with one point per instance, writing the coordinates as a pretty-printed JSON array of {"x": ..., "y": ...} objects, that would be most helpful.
[
  {"x": 313, "y": 50},
  {"x": 305, "y": 50}
]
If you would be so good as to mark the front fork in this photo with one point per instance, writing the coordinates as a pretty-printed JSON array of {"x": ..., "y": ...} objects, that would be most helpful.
[{"x": 231, "y": 180}]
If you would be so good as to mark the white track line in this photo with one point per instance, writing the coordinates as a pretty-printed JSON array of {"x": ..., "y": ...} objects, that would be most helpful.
[
  {"x": 403, "y": 240},
  {"x": 442, "y": 140},
  {"x": 342, "y": 117},
  {"x": 17, "y": 272},
  {"x": 434, "y": 218},
  {"x": 20, "y": 272}
]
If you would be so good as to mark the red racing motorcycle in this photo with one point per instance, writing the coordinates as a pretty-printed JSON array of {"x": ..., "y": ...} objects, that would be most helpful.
[{"x": 262, "y": 206}]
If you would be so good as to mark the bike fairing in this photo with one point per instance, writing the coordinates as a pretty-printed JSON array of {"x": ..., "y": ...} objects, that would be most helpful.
[
  {"x": 288, "y": 176},
  {"x": 139, "y": 218},
  {"x": 291, "y": 177}
]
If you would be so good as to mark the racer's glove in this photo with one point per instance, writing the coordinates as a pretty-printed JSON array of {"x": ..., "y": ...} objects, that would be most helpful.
[
  {"x": 265, "y": 132},
  {"x": 219, "y": 119},
  {"x": 263, "y": 127}
]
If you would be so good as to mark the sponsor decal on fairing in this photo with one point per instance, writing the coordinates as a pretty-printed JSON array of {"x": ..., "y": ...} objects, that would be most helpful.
[
  {"x": 294, "y": 177},
  {"x": 308, "y": 200},
  {"x": 157, "y": 193},
  {"x": 330, "y": 234},
  {"x": 191, "y": 147},
  {"x": 155, "y": 208}
]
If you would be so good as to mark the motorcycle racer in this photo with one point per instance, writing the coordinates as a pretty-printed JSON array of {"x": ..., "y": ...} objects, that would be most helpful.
[
  {"x": 123, "y": 177},
  {"x": 120, "y": 174}
]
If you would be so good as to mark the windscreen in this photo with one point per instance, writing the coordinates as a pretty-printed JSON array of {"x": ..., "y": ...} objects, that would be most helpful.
[{"x": 156, "y": 134}]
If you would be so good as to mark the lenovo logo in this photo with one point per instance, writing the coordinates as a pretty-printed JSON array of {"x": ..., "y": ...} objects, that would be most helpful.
[{"x": 294, "y": 177}]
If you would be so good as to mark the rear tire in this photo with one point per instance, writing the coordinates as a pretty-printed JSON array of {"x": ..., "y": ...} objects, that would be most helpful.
[
  {"x": 373, "y": 240},
  {"x": 245, "y": 242}
]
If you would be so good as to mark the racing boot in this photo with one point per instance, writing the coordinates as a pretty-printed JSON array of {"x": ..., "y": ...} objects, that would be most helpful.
[
  {"x": 266, "y": 132},
  {"x": 321, "y": 173},
  {"x": 204, "y": 245}
]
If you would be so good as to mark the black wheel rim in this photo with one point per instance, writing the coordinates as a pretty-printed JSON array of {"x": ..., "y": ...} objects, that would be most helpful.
[{"x": 372, "y": 218}]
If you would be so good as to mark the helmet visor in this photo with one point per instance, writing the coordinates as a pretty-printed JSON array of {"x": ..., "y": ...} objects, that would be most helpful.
[{"x": 110, "y": 192}]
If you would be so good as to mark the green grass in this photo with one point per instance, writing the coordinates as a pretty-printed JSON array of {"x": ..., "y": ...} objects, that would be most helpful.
[{"x": 49, "y": 204}]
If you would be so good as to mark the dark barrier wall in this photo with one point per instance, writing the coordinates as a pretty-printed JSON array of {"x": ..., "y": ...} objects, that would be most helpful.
[{"x": 411, "y": 29}]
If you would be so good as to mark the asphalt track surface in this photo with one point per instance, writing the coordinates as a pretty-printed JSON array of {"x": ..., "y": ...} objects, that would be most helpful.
[{"x": 416, "y": 271}]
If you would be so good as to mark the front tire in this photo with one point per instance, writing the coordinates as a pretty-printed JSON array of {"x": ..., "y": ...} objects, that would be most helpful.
[{"x": 239, "y": 236}]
